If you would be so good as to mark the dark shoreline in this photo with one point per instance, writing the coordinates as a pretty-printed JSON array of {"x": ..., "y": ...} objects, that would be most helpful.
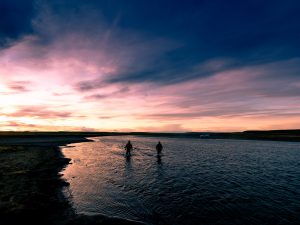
[
  {"x": 31, "y": 187},
  {"x": 267, "y": 135}
]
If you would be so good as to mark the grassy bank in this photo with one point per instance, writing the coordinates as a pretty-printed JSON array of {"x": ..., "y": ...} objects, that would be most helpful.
[{"x": 31, "y": 187}]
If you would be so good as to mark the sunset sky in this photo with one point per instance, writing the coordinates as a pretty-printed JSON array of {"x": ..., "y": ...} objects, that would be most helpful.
[{"x": 206, "y": 65}]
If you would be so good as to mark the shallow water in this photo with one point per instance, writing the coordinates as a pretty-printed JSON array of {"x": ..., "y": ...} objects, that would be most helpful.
[{"x": 195, "y": 181}]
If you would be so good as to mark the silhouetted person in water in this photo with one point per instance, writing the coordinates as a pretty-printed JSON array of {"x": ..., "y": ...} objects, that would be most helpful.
[
  {"x": 128, "y": 148},
  {"x": 159, "y": 148}
]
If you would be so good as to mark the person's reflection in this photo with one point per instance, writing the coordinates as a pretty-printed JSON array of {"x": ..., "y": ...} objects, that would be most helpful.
[
  {"x": 128, "y": 159},
  {"x": 127, "y": 170},
  {"x": 159, "y": 159}
]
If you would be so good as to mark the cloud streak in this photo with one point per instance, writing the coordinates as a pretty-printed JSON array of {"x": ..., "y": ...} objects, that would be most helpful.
[
  {"x": 20, "y": 86},
  {"x": 39, "y": 112}
]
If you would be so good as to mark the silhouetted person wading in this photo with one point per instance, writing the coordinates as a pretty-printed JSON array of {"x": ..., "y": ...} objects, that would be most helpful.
[
  {"x": 159, "y": 148},
  {"x": 128, "y": 148}
]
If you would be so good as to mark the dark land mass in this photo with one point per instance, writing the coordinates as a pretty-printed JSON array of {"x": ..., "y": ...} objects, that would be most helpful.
[
  {"x": 31, "y": 186},
  {"x": 273, "y": 135}
]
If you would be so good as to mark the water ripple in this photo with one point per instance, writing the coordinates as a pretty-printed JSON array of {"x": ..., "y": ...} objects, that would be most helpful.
[{"x": 193, "y": 182}]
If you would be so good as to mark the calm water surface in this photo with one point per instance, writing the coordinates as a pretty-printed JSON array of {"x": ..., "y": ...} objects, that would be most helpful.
[{"x": 193, "y": 182}]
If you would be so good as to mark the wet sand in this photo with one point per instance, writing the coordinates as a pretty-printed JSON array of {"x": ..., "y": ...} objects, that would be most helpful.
[{"x": 31, "y": 186}]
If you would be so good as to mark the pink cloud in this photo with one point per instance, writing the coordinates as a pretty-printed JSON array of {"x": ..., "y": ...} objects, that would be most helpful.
[
  {"x": 39, "y": 112},
  {"x": 20, "y": 86},
  {"x": 16, "y": 125}
]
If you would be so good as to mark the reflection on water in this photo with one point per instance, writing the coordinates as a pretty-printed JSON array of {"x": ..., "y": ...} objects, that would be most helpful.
[
  {"x": 192, "y": 182},
  {"x": 158, "y": 159}
]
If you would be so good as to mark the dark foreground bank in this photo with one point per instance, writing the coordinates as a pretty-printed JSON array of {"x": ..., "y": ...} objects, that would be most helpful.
[{"x": 31, "y": 186}]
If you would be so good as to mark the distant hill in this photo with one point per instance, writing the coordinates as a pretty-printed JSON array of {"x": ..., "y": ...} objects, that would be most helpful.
[{"x": 275, "y": 135}]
